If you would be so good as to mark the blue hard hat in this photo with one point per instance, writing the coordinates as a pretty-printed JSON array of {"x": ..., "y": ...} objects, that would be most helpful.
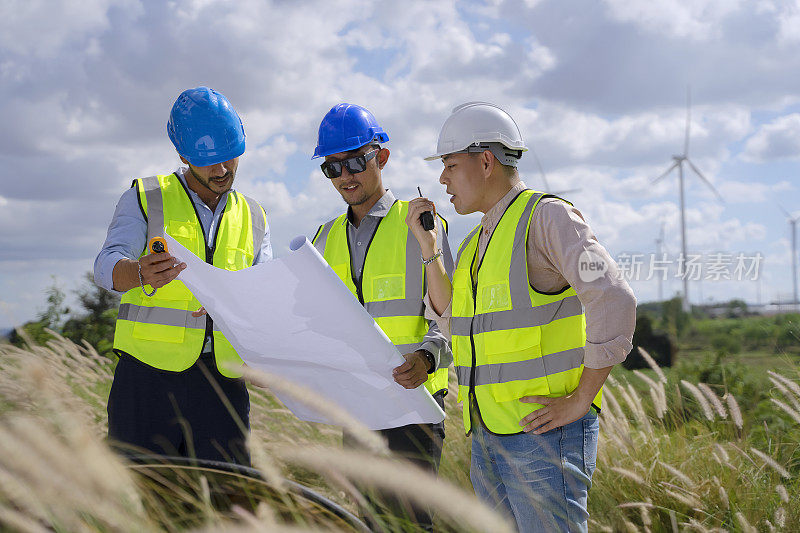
[
  {"x": 205, "y": 128},
  {"x": 347, "y": 127}
]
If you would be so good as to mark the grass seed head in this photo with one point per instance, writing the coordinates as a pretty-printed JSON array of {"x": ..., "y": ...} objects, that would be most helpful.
[
  {"x": 733, "y": 407},
  {"x": 772, "y": 463},
  {"x": 701, "y": 399},
  {"x": 652, "y": 364}
]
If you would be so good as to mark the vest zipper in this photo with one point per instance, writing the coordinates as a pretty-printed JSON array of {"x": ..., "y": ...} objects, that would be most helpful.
[
  {"x": 210, "y": 260},
  {"x": 209, "y": 332},
  {"x": 357, "y": 281},
  {"x": 473, "y": 400}
]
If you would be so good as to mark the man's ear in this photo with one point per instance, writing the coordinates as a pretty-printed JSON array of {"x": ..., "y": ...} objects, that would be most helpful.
[
  {"x": 487, "y": 162},
  {"x": 383, "y": 157}
]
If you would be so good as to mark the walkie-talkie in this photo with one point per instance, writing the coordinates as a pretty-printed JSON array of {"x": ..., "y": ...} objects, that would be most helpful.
[{"x": 426, "y": 218}]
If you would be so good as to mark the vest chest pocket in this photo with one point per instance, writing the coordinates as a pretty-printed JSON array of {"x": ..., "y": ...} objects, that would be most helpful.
[
  {"x": 237, "y": 258},
  {"x": 462, "y": 300},
  {"x": 186, "y": 233},
  {"x": 388, "y": 287},
  {"x": 494, "y": 297}
]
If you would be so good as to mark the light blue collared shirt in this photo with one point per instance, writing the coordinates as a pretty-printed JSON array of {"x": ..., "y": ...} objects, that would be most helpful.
[{"x": 127, "y": 233}]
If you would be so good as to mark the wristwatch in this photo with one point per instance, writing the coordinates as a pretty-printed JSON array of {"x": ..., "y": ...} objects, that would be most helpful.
[{"x": 431, "y": 360}]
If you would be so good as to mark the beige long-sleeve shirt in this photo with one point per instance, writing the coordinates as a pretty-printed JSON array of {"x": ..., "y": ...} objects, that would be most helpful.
[{"x": 558, "y": 240}]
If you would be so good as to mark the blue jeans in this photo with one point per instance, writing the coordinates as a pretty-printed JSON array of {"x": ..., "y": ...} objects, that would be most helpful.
[{"x": 541, "y": 482}]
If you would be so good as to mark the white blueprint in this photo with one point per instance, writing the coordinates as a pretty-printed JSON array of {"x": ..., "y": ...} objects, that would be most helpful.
[{"x": 293, "y": 317}]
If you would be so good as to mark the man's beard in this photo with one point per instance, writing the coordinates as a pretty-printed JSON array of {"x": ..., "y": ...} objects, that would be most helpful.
[{"x": 207, "y": 184}]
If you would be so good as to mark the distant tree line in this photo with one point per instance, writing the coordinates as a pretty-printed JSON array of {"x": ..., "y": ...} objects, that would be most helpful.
[
  {"x": 661, "y": 327},
  {"x": 93, "y": 321}
]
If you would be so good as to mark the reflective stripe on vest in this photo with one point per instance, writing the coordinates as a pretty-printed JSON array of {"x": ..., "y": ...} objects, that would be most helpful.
[
  {"x": 391, "y": 286},
  {"x": 509, "y": 340},
  {"x": 160, "y": 330}
]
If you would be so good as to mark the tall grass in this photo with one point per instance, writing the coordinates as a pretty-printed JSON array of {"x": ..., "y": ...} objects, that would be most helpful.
[
  {"x": 695, "y": 466},
  {"x": 674, "y": 455}
]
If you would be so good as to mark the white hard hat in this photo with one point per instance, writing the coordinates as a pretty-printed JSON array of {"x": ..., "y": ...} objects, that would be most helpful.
[{"x": 477, "y": 126}]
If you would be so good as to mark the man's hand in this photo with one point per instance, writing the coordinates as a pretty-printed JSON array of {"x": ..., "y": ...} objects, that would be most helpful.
[
  {"x": 414, "y": 372},
  {"x": 425, "y": 238},
  {"x": 556, "y": 412},
  {"x": 159, "y": 269},
  {"x": 199, "y": 312}
]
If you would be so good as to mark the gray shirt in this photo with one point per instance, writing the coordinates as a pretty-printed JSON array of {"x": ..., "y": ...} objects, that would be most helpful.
[{"x": 359, "y": 237}]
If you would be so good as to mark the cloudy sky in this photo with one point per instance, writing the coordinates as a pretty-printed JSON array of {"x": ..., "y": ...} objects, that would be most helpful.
[{"x": 598, "y": 88}]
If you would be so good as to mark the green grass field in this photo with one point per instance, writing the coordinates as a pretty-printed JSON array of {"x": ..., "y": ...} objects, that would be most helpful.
[{"x": 709, "y": 445}]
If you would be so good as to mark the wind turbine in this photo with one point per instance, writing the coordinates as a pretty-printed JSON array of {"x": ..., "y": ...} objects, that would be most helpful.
[
  {"x": 678, "y": 161},
  {"x": 660, "y": 252},
  {"x": 544, "y": 176},
  {"x": 793, "y": 226}
]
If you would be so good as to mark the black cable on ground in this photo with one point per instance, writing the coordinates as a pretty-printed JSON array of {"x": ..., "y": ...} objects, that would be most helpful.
[{"x": 232, "y": 468}]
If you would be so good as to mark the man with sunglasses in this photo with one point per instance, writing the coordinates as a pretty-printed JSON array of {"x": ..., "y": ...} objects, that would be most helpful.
[{"x": 371, "y": 249}]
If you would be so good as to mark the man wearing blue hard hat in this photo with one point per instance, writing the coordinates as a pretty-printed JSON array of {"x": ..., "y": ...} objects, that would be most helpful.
[
  {"x": 177, "y": 387},
  {"x": 372, "y": 251}
]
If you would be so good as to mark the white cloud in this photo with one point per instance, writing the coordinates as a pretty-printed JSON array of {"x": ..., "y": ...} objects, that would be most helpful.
[
  {"x": 267, "y": 159},
  {"x": 788, "y": 14},
  {"x": 698, "y": 19},
  {"x": 43, "y": 27},
  {"x": 563, "y": 135},
  {"x": 745, "y": 192},
  {"x": 597, "y": 90},
  {"x": 780, "y": 139}
]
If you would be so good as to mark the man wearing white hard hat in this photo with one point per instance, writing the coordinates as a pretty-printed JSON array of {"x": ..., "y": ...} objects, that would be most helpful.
[{"x": 538, "y": 315}]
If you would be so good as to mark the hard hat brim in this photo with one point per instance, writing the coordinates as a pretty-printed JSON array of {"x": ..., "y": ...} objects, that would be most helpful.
[{"x": 216, "y": 157}]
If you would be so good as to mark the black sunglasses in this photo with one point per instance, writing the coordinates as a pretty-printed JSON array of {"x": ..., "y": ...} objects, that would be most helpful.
[{"x": 354, "y": 165}]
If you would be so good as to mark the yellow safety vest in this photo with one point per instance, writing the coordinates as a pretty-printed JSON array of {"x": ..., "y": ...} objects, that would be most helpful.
[
  {"x": 391, "y": 287},
  {"x": 160, "y": 330},
  {"x": 508, "y": 339}
]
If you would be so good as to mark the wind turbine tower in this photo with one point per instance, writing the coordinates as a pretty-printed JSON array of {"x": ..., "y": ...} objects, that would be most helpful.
[
  {"x": 793, "y": 227},
  {"x": 660, "y": 252},
  {"x": 544, "y": 176},
  {"x": 678, "y": 161}
]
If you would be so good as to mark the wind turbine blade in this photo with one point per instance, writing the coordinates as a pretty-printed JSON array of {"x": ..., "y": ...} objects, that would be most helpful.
[
  {"x": 670, "y": 169},
  {"x": 541, "y": 170},
  {"x": 700, "y": 174},
  {"x": 688, "y": 121},
  {"x": 789, "y": 216},
  {"x": 559, "y": 193}
]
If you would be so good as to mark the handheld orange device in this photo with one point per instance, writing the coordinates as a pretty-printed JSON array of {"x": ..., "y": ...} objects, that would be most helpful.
[{"x": 157, "y": 245}]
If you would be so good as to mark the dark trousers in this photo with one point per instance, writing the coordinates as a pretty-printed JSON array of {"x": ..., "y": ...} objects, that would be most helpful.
[
  {"x": 421, "y": 444},
  {"x": 179, "y": 413}
]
